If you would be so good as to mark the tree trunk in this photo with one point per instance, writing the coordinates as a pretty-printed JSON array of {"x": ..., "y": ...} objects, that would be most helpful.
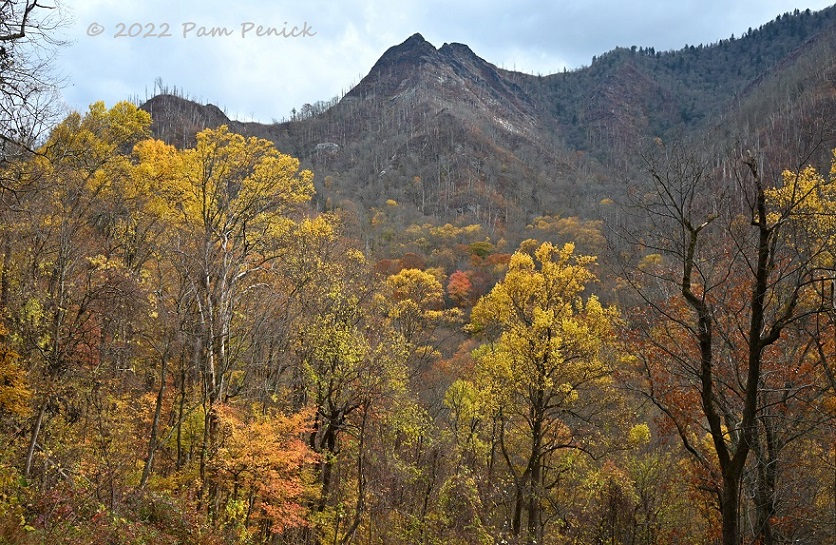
[
  {"x": 329, "y": 446},
  {"x": 181, "y": 411},
  {"x": 730, "y": 510},
  {"x": 155, "y": 425},
  {"x": 33, "y": 440},
  {"x": 360, "y": 505},
  {"x": 520, "y": 484},
  {"x": 767, "y": 464},
  {"x": 4, "y": 274},
  {"x": 516, "y": 521},
  {"x": 535, "y": 523}
]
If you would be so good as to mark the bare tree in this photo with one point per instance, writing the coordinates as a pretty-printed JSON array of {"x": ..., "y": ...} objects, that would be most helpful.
[
  {"x": 28, "y": 83},
  {"x": 722, "y": 281}
]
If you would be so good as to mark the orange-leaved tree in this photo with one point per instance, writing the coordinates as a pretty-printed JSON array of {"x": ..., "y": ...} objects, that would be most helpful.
[{"x": 729, "y": 273}]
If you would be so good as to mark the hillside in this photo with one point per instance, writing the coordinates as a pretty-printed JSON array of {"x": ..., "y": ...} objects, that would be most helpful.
[
  {"x": 425, "y": 318},
  {"x": 452, "y": 138}
]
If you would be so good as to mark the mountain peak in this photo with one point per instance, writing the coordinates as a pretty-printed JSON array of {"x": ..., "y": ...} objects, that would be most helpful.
[
  {"x": 453, "y": 74},
  {"x": 455, "y": 48},
  {"x": 412, "y": 49},
  {"x": 415, "y": 62},
  {"x": 398, "y": 64},
  {"x": 415, "y": 38}
]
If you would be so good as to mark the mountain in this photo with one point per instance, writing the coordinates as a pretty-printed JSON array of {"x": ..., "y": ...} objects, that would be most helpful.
[
  {"x": 632, "y": 92},
  {"x": 176, "y": 120},
  {"x": 448, "y": 137},
  {"x": 449, "y": 77}
]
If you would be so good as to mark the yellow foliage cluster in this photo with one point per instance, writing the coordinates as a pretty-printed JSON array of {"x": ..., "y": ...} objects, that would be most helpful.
[
  {"x": 586, "y": 233},
  {"x": 543, "y": 337},
  {"x": 14, "y": 388}
]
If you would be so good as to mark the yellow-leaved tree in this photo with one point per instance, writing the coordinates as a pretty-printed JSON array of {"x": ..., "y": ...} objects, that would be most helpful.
[
  {"x": 66, "y": 300},
  {"x": 413, "y": 302},
  {"x": 351, "y": 365},
  {"x": 544, "y": 367},
  {"x": 231, "y": 203}
]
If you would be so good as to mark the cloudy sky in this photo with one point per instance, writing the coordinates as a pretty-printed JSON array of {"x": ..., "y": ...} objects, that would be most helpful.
[{"x": 311, "y": 50}]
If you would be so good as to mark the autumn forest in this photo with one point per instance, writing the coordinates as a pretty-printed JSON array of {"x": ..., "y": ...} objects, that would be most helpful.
[{"x": 206, "y": 340}]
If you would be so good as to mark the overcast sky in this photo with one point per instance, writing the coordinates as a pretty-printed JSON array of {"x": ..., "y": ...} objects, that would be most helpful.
[{"x": 317, "y": 49}]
